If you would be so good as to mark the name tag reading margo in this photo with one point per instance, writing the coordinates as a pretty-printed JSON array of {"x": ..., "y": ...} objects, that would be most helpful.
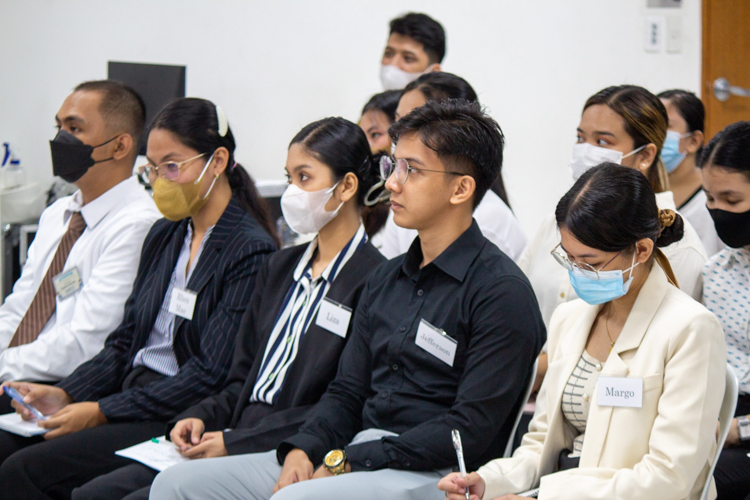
[
  {"x": 182, "y": 303},
  {"x": 436, "y": 342},
  {"x": 619, "y": 391},
  {"x": 334, "y": 317},
  {"x": 67, "y": 283}
]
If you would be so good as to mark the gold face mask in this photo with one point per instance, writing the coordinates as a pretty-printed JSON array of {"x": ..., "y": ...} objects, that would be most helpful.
[{"x": 179, "y": 201}]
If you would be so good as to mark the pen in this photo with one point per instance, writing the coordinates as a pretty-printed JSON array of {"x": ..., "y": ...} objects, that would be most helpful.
[
  {"x": 17, "y": 397},
  {"x": 460, "y": 454}
]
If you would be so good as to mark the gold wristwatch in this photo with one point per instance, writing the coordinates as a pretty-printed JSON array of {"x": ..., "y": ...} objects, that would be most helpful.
[{"x": 335, "y": 462}]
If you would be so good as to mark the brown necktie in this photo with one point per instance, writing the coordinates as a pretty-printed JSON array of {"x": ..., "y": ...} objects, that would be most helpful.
[{"x": 43, "y": 305}]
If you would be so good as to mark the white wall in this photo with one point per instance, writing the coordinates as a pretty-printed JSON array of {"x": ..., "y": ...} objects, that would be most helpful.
[{"x": 276, "y": 65}]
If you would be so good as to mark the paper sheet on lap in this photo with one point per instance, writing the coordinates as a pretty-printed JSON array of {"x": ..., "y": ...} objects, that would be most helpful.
[
  {"x": 158, "y": 456},
  {"x": 12, "y": 422}
]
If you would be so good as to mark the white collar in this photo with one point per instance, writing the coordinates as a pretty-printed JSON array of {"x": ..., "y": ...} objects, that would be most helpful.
[{"x": 95, "y": 210}]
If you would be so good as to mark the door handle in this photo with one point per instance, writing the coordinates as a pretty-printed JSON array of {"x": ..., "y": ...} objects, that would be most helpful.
[{"x": 723, "y": 89}]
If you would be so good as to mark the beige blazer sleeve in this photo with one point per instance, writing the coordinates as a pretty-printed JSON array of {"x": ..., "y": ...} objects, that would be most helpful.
[{"x": 659, "y": 451}]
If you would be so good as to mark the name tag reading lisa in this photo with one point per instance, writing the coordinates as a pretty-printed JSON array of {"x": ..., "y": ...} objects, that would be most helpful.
[
  {"x": 436, "y": 342},
  {"x": 334, "y": 317},
  {"x": 619, "y": 391},
  {"x": 182, "y": 303},
  {"x": 67, "y": 283}
]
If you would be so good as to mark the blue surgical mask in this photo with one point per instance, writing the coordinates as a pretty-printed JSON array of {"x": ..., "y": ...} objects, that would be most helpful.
[
  {"x": 608, "y": 287},
  {"x": 670, "y": 152}
]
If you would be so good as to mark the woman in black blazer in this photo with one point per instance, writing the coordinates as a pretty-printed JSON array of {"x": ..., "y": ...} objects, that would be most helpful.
[
  {"x": 288, "y": 329},
  {"x": 175, "y": 343}
]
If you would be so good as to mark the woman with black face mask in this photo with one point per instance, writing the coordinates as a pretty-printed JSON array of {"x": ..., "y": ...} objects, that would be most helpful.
[{"x": 725, "y": 169}]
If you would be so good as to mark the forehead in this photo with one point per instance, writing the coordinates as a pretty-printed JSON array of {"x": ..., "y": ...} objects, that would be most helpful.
[
  {"x": 411, "y": 147},
  {"x": 409, "y": 101},
  {"x": 83, "y": 105},
  {"x": 401, "y": 42},
  {"x": 675, "y": 118},
  {"x": 717, "y": 179},
  {"x": 373, "y": 118},
  {"x": 601, "y": 118},
  {"x": 298, "y": 155},
  {"x": 164, "y": 145}
]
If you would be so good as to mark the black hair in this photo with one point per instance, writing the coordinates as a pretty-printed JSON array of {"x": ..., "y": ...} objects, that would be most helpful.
[
  {"x": 689, "y": 106},
  {"x": 343, "y": 147},
  {"x": 462, "y": 135},
  {"x": 195, "y": 123},
  {"x": 610, "y": 208},
  {"x": 438, "y": 86},
  {"x": 425, "y": 30},
  {"x": 729, "y": 149},
  {"x": 387, "y": 102},
  {"x": 121, "y": 107}
]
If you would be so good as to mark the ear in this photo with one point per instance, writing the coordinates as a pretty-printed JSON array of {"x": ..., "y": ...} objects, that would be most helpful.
[
  {"x": 436, "y": 67},
  {"x": 644, "y": 248},
  {"x": 123, "y": 146},
  {"x": 219, "y": 163},
  {"x": 694, "y": 142},
  {"x": 348, "y": 187},
  {"x": 645, "y": 158},
  {"x": 463, "y": 190}
]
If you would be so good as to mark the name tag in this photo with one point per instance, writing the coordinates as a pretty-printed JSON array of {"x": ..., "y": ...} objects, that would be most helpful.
[
  {"x": 182, "y": 303},
  {"x": 436, "y": 342},
  {"x": 334, "y": 317},
  {"x": 618, "y": 391},
  {"x": 67, "y": 283}
]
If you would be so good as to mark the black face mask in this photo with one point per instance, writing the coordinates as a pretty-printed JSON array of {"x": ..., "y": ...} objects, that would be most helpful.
[
  {"x": 71, "y": 158},
  {"x": 733, "y": 228}
]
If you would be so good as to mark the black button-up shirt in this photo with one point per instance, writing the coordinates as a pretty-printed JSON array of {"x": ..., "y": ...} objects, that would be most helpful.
[{"x": 479, "y": 297}]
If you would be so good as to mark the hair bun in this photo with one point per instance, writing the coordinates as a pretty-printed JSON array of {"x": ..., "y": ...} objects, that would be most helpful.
[{"x": 672, "y": 228}]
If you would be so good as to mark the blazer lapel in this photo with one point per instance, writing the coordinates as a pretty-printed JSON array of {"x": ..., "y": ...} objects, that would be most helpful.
[
  {"x": 644, "y": 309},
  {"x": 158, "y": 283},
  {"x": 206, "y": 265}
]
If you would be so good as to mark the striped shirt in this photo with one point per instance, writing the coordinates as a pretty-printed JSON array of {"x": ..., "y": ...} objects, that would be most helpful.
[
  {"x": 577, "y": 397},
  {"x": 158, "y": 354},
  {"x": 299, "y": 307}
]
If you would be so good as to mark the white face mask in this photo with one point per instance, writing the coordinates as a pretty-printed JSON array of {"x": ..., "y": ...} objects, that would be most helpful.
[
  {"x": 394, "y": 78},
  {"x": 304, "y": 211},
  {"x": 587, "y": 156}
]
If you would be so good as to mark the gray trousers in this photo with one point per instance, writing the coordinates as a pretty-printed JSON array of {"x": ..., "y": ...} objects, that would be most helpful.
[{"x": 252, "y": 477}]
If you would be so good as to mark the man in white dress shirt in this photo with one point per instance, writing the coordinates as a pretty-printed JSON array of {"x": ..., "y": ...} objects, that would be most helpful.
[{"x": 82, "y": 263}]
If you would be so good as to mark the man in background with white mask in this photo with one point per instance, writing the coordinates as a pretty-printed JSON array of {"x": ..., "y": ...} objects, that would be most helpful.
[
  {"x": 82, "y": 264},
  {"x": 416, "y": 46}
]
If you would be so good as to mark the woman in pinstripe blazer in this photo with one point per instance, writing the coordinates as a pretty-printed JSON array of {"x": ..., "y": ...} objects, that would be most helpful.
[
  {"x": 286, "y": 351},
  {"x": 175, "y": 344}
]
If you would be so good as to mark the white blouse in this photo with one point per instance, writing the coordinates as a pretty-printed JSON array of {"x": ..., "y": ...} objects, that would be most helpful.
[
  {"x": 695, "y": 211},
  {"x": 494, "y": 217},
  {"x": 550, "y": 280},
  {"x": 726, "y": 293}
]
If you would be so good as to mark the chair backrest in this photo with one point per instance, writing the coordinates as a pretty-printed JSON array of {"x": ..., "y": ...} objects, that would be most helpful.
[
  {"x": 726, "y": 414},
  {"x": 526, "y": 394}
]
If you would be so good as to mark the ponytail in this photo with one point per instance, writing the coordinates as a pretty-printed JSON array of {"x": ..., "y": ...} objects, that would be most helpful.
[{"x": 247, "y": 194}]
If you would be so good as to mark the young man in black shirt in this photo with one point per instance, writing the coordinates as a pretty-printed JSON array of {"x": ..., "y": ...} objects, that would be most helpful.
[{"x": 444, "y": 338}]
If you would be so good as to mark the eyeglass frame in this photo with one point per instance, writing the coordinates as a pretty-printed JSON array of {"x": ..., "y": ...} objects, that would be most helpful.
[
  {"x": 394, "y": 163},
  {"x": 565, "y": 262},
  {"x": 143, "y": 169}
]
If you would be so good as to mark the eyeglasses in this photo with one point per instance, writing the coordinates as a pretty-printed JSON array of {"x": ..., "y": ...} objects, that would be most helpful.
[
  {"x": 588, "y": 270},
  {"x": 402, "y": 168},
  {"x": 169, "y": 170}
]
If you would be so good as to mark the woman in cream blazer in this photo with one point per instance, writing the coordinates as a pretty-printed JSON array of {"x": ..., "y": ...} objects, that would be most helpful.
[{"x": 660, "y": 450}]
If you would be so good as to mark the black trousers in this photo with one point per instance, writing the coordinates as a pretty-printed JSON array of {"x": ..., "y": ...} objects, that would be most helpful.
[
  {"x": 132, "y": 482},
  {"x": 732, "y": 474},
  {"x": 52, "y": 469}
]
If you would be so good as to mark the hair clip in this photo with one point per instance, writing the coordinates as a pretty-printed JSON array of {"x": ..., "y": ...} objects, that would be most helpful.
[{"x": 222, "y": 119}]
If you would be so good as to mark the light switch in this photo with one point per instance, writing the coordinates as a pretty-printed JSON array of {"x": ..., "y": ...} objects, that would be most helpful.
[{"x": 655, "y": 32}]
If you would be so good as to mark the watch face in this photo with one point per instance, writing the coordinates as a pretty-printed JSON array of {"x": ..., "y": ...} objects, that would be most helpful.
[{"x": 334, "y": 458}]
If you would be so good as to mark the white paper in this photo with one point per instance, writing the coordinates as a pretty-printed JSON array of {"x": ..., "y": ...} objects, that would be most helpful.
[
  {"x": 436, "y": 342},
  {"x": 12, "y": 422},
  {"x": 333, "y": 317},
  {"x": 620, "y": 391},
  {"x": 182, "y": 303},
  {"x": 159, "y": 456}
]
